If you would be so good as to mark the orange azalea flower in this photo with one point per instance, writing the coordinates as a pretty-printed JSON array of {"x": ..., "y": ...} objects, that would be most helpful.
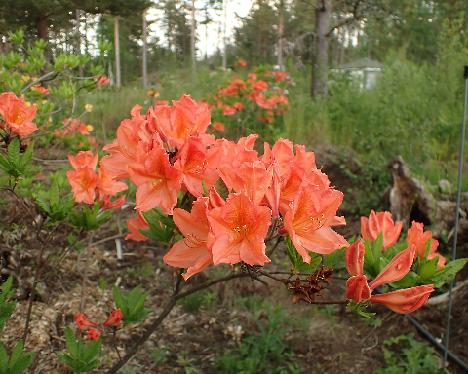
[
  {"x": 192, "y": 252},
  {"x": 17, "y": 114},
  {"x": 175, "y": 124},
  {"x": 83, "y": 323},
  {"x": 94, "y": 334},
  {"x": 106, "y": 203},
  {"x": 419, "y": 238},
  {"x": 401, "y": 301},
  {"x": 83, "y": 160},
  {"x": 191, "y": 160},
  {"x": 83, "y": 182},
  {"x": 381, "y": 223},
  {"x": 228, "y": 110},
  {"x": 358, "y": 289},
  {"x": 406, "y": 300},
  {"x": 308, "y": 222},
  {"x": 114, "y": 318},
  {"x": 218, "y": 126},
  {"x": 106, "y": 185},
  {"x": 157, "y": 182},
  {"x": 251, "y": 179},
  {"x": 135, "y": 224},
  {"x": 354, "y": 258},
  {"x": 40, "y": 89},
  {"x": 239, "y": 228},
  {"x": 102, "y": 80}
]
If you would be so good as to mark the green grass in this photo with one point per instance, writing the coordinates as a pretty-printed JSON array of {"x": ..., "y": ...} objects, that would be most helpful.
[{"x": 405, "y": 355}]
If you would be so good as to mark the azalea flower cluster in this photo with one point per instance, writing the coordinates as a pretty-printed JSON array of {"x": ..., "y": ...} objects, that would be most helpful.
[
  {"x": 167, "y": 153},
  {"x": 87, "y": 183},
  {"x": 17, "y": 115},
  {"x": 419, "y": 244},
  {"x": 93, "y": 332},
  {"x": 264, "y": 94}
]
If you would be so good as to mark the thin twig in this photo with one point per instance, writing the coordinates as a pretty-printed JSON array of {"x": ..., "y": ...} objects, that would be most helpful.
[{"x": 165, "y": 312}]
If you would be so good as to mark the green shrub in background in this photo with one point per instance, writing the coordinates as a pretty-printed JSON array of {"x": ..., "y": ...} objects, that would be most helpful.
[{"x": 414, "y": 111}]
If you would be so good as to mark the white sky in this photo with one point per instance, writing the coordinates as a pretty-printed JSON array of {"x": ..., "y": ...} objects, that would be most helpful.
[{"x": 210, "y": 38}]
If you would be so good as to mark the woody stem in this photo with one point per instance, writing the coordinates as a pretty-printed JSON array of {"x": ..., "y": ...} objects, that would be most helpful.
[{"x": 164, "y": 313}]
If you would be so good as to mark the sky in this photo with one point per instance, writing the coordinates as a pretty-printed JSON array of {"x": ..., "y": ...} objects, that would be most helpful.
[{"x": 208, "y": 38}]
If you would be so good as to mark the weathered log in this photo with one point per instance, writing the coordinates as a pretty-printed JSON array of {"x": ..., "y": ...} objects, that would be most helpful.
[{"x": 411, "y": 200}]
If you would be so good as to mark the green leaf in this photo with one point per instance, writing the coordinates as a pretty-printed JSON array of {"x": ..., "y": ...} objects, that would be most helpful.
[
  {"x": 14, "y": 155},
  {"x": 411, "y": 279},
  {"x": 428, "y": 269},
  {"x": 19, "y": 360},
  {"x": 373, "y": 254},
  {"x": 298, "y": 263},
  {"x": 335, "y": 260},
  {"x": 447, "y": 273},
  {"x": 71, "y": 343},
  {"x": 3, "y": 359}
]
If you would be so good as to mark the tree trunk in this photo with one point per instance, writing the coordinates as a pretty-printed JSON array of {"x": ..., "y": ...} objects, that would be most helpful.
[
  {"x": 144, "y": 65},
  {"x": 118, "y": 80},
  {"x": 319, "y": 84},
  {"x": 42, "y": 26},
  {"x": 280, "y": 61},
  {"x": 192, "y": 38},
  {"x": 224, "y": 34}
]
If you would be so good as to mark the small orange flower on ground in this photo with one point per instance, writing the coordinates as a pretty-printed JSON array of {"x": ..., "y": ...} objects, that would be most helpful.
[
  {"x": 192, "y": 252},
  {"x": 381, "y": 223},
  {"x": 83, "y": 323},
  {"x": 114, "y": 319},
  {"x": 93, "y": 334},
  {"x": 239, "y": 228},
  {"x": 17, "y": 114}
]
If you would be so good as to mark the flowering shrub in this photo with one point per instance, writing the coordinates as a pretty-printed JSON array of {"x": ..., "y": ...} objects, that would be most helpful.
[
  {"x": 228, "y": 201},
  {"x": 211, "y": 201},
  {"x": 252, "y": 104},
  {"x": 50, "y": 98}
]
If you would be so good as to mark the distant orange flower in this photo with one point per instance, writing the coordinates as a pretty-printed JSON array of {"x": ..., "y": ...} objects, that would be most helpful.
[
  {"x": 102, "y": 80},
  {"x": 218, "y": 126},
  {"x": 83, "y": 183},
  {"x": 40, "y": 89},
  {"x": 83, "y": 159},
  {"x": 17, "y": 114}
]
